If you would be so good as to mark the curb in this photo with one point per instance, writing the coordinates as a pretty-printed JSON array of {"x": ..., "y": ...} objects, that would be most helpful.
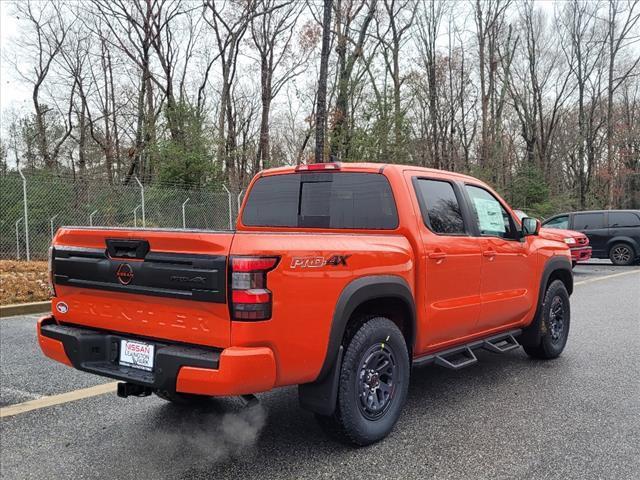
[{"x": 24, "y": 308}]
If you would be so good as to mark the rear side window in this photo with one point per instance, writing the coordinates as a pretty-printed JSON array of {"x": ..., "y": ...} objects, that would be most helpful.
[
  {"x": 322, "y": 200},
  {"x": 588, "y": 221},
  {"x": 623, "y": 219},
  {"x": 440, "y": 207}
]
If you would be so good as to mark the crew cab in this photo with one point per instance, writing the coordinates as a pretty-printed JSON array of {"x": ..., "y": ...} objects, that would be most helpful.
[
  {"x": 338, "y": 278},
  {"x": 578, "y": 242}
]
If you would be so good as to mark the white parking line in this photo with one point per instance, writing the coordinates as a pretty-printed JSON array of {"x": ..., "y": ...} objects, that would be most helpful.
[
  {"x": 57, "y": 399},
  {"x": 598, "y": 279}
]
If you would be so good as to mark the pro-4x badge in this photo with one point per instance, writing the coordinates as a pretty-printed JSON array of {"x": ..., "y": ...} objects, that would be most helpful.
[{"x": 317, "y": 262}]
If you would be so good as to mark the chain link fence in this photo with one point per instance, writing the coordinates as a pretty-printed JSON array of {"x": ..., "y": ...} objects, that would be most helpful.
[{"x": 54, "y": 201}]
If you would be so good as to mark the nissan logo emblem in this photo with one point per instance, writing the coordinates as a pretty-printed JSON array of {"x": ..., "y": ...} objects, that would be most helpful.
[{"x": 124, "y": 273}]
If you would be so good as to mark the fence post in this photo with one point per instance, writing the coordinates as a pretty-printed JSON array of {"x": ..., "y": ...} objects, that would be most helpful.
[
  {"x": 184, "y": 220},
  {"x": 230, "y": 207},
  {"x": 91, "y": 217},
  {"x": 239, "y": 197},
  {"x": 18, "y": 238},
  {"x": 144, "y": 222},
  {"x": 135, "y": 216},
  {"x": 51, "y": 224},
  {"x": 26, "y": 215}
]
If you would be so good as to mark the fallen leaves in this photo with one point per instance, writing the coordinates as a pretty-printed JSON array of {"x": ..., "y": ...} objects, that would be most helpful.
[{"x": 22, "y": 282}]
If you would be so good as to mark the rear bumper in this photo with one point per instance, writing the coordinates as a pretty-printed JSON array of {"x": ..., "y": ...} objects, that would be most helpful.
[
  {"x": 177, "y": 367},
  {"x": 580, "y": 254}
]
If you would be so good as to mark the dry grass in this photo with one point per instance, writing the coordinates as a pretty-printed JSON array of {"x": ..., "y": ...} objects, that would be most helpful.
[{"x": 22, "y": 282}]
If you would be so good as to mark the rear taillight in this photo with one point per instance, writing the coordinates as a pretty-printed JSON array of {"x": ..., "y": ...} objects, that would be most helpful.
[
  {"x": 52, "y": 288},
  {"x": 250, "y": 297}
]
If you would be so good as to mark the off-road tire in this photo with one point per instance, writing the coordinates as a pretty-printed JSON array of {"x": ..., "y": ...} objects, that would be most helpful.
[
  {"x": 553, "y": 337},
  {"x": 622, "y": 254},
  {"x": 353, "y": 421}
]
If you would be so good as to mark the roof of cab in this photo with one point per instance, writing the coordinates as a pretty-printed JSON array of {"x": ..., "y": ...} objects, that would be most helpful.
[{"x": 371, "y": 167}]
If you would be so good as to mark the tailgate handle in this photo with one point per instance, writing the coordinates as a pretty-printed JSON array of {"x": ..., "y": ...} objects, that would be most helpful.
[{"x": 118, "y": 248}]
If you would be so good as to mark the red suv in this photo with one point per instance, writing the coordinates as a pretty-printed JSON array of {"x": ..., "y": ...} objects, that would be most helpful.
[{"x": 578, "y": 242}]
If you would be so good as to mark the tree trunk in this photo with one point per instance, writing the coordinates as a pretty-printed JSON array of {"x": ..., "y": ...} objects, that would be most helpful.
[
  {"x": 114, "y": 120},
  {"x": 262, "y": 155},
  {"x": 321, "y": 109},
  {"x": 484, "y": 97},
  {"x": 43, "y": 143}
]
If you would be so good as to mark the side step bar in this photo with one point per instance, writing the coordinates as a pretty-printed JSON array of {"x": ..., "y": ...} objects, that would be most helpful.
[
  {"x": 501, "y": 345},
  {"x": 456, "y": 359},
  {"x": 462, "y": 356}
]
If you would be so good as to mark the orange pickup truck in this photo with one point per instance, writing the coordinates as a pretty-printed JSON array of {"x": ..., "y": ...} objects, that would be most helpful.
[{"x": 338, "y": 278}]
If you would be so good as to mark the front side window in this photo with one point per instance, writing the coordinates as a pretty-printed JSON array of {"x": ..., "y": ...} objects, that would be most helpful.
[
  {"x": 492, "y": 218},
  {"x": 340, "y": 200},
  {"x": 440, "y": 207},
  {"x": 561, "y": 222},
  {"x": 588, "y": 221}
]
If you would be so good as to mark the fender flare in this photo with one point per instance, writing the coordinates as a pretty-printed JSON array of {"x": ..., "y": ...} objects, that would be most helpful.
[
  {"x": 531, "y": 334},
  {"x": 320, "y": 395}
]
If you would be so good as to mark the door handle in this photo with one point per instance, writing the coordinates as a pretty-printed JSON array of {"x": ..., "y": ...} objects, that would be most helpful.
[
  {"x": 489, "y": 253},
  {"x": 437, "y": 255}
]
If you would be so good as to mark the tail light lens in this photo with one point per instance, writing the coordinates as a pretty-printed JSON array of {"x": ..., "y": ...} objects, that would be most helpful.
[
  {"x": 250, "y": 297},
  {"x": 52, "y": 288}
]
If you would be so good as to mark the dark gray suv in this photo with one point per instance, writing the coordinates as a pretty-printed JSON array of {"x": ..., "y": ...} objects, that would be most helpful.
[{"x": 613, "y": 234}]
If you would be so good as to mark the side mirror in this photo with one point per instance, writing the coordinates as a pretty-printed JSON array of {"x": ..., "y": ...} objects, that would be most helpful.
[{"x": 530, "y": 226}]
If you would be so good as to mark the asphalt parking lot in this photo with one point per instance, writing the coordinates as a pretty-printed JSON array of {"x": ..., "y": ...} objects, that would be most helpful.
[{"x": 505, "y": 417}]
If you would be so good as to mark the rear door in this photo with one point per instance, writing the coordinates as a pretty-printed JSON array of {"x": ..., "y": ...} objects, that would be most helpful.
[
  {"x": 157, "y": 284},
  {"x": 594, "y": 226},
  {"x": 508, "y": 271},
  {"x": 625, "y": 225},
  {"x": 450, "y": 264}
]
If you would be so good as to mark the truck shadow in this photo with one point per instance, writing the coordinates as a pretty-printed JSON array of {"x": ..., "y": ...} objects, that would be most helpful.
[{"x": 278, "y": 439}]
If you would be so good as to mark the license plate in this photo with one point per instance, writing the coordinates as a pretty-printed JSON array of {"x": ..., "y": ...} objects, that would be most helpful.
[{"x": 136, "y": 355}]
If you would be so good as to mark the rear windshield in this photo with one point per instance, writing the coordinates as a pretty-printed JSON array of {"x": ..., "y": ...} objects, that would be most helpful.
[{"x": 322, "y": 200}]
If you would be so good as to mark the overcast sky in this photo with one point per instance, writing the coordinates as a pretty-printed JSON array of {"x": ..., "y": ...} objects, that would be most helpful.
[{"x": 13, "y": 93}]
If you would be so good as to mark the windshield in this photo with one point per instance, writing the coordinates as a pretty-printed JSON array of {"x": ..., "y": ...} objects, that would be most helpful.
[{"x": 520, "y": 214}]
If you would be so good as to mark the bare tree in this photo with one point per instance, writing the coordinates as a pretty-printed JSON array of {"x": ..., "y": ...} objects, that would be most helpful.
[
  {"x": 399, "y": 19},
  {"x": 489, "y": 17},
  {"x": 429, "y": 28},
  {"x": 132, "y": 30},
  {"x": 272, "y": 34},
  {"x": 321, "y": 98},
  {"x": 347, "y": 35},
  {"x": 229, "y": 27},
  {"x": 620, "y": 35},
  {"x": 198, "y": 93},
  {"x": 49, "y": 31},
  {"x": 584, "y": 48}
]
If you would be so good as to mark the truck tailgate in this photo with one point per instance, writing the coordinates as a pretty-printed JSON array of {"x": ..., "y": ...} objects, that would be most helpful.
[{"x": 160, "y": 284}]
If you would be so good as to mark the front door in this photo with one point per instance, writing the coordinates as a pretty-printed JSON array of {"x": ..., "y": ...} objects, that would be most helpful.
[
  {"x": 593, "y": 225},
  {"x": 508, "y": 271},
  {"x": 449, "y": 265}
]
